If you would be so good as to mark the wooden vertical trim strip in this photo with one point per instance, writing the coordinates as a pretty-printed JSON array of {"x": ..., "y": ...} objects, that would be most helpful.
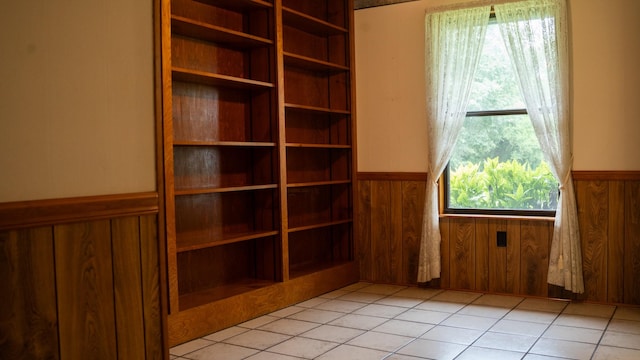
[
  {"x": 84, "y": 278},
  {"x": 615, "y": 245},
  {"x": 380, "y": 230},
  {"x": 363, "y": 247},
  {"x": 125, "y": 243},
  {"x": 152, "y": 295},
  {"x": 632, "y": 243},
  {"x": 413, "y": 194},
  {"x": 397, "y": 265},
  {"x": 482, "y": 244}
]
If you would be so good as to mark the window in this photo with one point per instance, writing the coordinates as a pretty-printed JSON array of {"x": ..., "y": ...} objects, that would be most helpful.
[{"x": 497, "y": 165}]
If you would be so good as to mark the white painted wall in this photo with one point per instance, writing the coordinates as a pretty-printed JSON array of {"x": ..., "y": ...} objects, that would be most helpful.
[
  {"x": 76, "y": 98},
  {"x": 606, "y": 85}
]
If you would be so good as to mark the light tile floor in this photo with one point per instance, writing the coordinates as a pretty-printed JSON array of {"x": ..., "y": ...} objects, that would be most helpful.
[{"x": 372, "y": 321}]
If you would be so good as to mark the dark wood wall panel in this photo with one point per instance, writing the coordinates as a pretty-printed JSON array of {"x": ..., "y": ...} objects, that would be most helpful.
[
  {"x": 27, "y": 294},
  {"x": 632, "y": 243},
  {"x": 84, "y": 281},
  {"x": 82, "y": 289},
  {"x": 389, "y": 227}
]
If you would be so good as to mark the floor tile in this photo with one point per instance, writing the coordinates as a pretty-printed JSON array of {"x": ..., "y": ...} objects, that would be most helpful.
[
  {"x": 418, "y": 293},
  {"x": 457, "y": 296},
  {"x": 544, "y": 305},
  {"x": 370, "y": 321},
  {"x": 627, "y": 313},
  {"x": 484, "y": 311},
  {"x": 589, "y": 322},
  {"x": 257, "y": 339},
  {"x": 477, "y": 353},
  {"x": 332, "y": 333},
  {"x": 265, "y": 355},
  {"x": 355, "y": 321},
  {"x": 624, "y": 326},
  {"x": 356, "y": 286},
  {"x": 287, "y": 311},
  {"x": 625, "y": 340},
  {"x": 289, "y": 326},
  {"x": 403, "y": 357},
  {"x": 432, "y": 349},
  {"x": 316, "y": 315},
  {"x": 499, "y": 300},
  {"x": 563, "y": 349},
  {"x": 519, "y": 327},
  {"x": 257, "y": 322},
  {"x": 334, "y": 294},
  {"x": 541, "y": 357},
  {"x": 221, "y": 351},
  {"x": 348, "y": 352},
  {"x": 340, "y": 305},
  {"x": 312, "y": 302},
  {"x": 569, "y": 333},
  {"x": 509, "y": 342},
  {"x": 423, "y": 316},
  {"x": 531, "y": 316},
  {"x": 382, "y": 289},
  {"x": 404, "y": 328},
  {"x": 442, "y": 306},
  {"x": 361, "y": 297},
  {"x": 615, "y": 353},
  {"x": 586, "y": 309},
  {"x": 380, "y": 341},
  {"x": 303, "y": 347},
  {"x": 453, "y": 335},
  {"x": 470, "y": 322},
  {"x": 385, "y": 311},
  {"x": 226, "y": 333},
  {"x": 405, "y": 302},
  {"x": 190, "y": 346}
]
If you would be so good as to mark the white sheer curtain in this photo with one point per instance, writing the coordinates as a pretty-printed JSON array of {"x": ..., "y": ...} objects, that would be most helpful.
[
  {"x": 453, "y": 42},
  {"x": 535, "y": 33}
]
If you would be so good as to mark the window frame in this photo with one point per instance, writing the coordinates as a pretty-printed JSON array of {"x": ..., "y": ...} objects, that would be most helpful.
[{"x": 447, "y": 209}]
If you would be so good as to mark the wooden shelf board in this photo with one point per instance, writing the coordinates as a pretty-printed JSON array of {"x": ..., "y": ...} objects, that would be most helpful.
[
  {"x": 224, "y": 143},
  {"x": 213, "y": 190},
  {"x": 194, "y": 299},
  {"x": 196, "y": 241},
  {"x": 207, "y": 78},
  {"x": 314, "y": 109},
  {"x": 320, "y": 225},
  {"x": 239, "y": 5},
  {"x": 318, "y": 183},
  {"x": 309, "y": 23},
  {"x": 317, "y": 146},
  {"x": 216, "y": 34},
  {"x": 308, "y": 63}
]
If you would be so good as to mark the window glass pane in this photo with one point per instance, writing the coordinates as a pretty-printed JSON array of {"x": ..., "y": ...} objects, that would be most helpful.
[
  {"x": 498, "y": 164},
  {"x": 495, "y": 86}
]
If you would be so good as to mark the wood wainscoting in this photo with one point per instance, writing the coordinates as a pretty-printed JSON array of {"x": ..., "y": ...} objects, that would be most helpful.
[
  {"x": 81, "y": 279},
  {"x": 389, "y": 226}
]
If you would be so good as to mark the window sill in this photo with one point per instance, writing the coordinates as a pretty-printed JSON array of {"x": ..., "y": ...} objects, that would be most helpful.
[{"x": 499, "y": 217}]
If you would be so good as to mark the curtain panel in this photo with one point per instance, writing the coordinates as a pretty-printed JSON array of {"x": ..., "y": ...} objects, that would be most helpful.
[
  {"x": 453, "y": 43},
  {"x": 536, "y": 38}
]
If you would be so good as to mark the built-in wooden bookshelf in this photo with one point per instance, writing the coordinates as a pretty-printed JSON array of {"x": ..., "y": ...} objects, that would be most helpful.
[{"x": 259, "y": 155}]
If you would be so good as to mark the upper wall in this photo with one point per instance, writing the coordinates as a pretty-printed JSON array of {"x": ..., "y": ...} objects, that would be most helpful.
[
  {"x": 390, "y": 85},
  {"x": 77, "y": 98}
]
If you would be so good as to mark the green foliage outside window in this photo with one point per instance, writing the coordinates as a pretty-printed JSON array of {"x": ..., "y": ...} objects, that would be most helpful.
[{"x": 503, "y": 185}]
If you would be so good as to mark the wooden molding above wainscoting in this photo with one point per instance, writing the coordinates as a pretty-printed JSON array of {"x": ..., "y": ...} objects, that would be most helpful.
[
  {"x": 605, "y": 175},
  {"x": 577, "y": 175},
  {"x": 32, "y": 213}
]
